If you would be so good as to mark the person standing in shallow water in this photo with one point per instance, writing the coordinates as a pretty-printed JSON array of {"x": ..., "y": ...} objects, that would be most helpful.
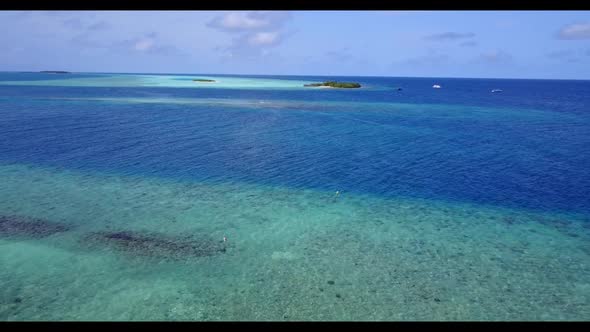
[
  {"x": 336, "y": 195},
  {"x": 224, "y": 243}
]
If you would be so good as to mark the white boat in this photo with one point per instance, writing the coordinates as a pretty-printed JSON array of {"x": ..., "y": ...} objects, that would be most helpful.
[
  {"x": 436, "y": 86},
  {"x": 496, "y": 90}
]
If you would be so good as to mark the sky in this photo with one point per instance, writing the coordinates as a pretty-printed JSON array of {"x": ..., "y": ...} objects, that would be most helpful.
[{"x": 484, "y": 44}]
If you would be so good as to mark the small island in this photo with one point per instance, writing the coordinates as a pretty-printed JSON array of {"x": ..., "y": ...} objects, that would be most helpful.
[
  {"x": 54, "y": 72},
  {"x": 334, "y": 84},
  {"x": 203, "y": 80}
]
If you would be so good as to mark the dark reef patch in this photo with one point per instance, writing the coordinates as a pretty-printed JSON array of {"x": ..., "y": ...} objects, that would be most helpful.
[
  {"x": 156, "y": 245},
  {"x": 20, "y": 226}
]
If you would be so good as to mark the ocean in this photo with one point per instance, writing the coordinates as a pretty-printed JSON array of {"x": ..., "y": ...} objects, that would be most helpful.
[{"x": 155, "y": 197}]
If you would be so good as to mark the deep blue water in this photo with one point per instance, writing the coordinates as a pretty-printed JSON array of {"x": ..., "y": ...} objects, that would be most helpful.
[{"x": 530, "y": 148}]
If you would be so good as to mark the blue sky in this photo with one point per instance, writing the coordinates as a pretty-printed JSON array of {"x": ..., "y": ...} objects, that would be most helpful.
[{"x": 487, "y": 44}]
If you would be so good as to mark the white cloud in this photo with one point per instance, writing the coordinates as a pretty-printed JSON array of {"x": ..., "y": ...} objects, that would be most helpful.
[
  {"x": 144, "y": 44},
  {"x": 242, "y": 21},
  {"x": 264, "y": 38},
  {"x": 147, "y": 44},
  {"x": 254, "y": 32},
  {"x": 248, "y": 21},
  {"x": 575, "y": 31}
]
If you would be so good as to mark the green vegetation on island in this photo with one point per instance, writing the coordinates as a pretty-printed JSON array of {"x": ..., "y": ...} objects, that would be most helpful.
[
  {"x": 334, "y": 84},
  {"x": 203, "y": 80},
  {"x": 54, "y": 72}
]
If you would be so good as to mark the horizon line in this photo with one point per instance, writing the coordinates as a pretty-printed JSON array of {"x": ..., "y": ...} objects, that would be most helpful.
[{"x": 300, "y": 75}]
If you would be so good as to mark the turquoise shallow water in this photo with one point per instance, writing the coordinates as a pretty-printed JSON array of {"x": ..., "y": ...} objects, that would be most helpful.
[
  {"x": 171, "y": 81},
  {"x": 115, "y": 202},
  {"x": 291, "y": 255}
]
